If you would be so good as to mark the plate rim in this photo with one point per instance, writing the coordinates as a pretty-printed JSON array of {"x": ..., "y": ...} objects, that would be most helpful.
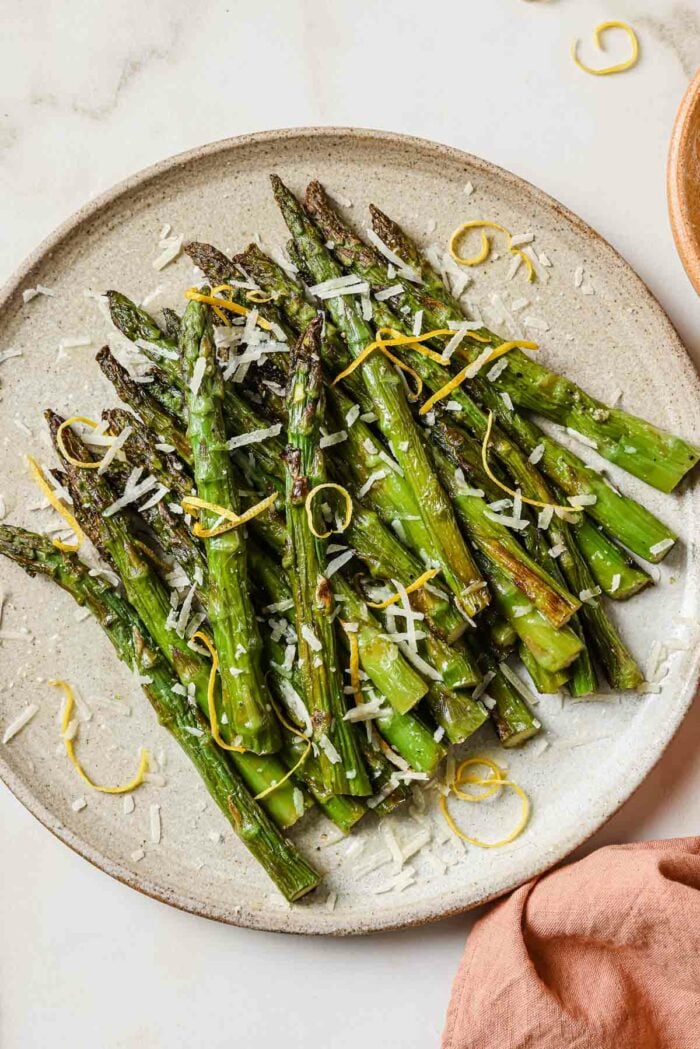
[{"x": 298, "y": 921}]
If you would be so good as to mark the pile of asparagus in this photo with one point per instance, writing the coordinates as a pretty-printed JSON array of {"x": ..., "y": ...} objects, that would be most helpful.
[{"x": 362, "y": 621}]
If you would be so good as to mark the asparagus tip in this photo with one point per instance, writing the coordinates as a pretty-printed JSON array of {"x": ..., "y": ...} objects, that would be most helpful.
[{"x": 210, "y": 260}]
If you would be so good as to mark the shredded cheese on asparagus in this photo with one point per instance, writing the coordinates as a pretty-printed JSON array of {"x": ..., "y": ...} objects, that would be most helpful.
[
  {"x": 619, "y": 67},
  {"x": 471, "y": 369},
  {"x": 484, "y": 251},
  {"x": 415, "y": 585},
  {"x": 191, "y": 504},
  {"x": 310, "y": 513},
  {"x": 493, "y": 784},
  {"x": 58, "y": 506},
  {"x": 68, "y": 739},
  {"x": 504, "y": 487}
]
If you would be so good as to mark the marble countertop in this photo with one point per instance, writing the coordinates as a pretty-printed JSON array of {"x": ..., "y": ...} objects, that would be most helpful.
[{"x": 93, "y": 92}]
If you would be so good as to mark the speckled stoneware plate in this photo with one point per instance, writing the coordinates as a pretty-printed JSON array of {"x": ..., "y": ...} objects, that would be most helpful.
[{"x": 603, "y": 328}]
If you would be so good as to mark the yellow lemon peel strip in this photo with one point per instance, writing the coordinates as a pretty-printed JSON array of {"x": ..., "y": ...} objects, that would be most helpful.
[
  {"x": 58, "y": 506},
  {"x": 411, "y": 588},
  {"x": 620, "y": 67},
  {"x": 211, "y": 704},
  {"x": 399, "y": 340},
  {"x": 494, "y": 783},
  {"x": 483, "y": 253},
  {"x": 309, "y": 509},
  {"x": 414, "y": 341},
  {"x": 93, "y": 464},
  {"x": 192, "y": 504},
  {"x": 224, "y": 304},
  {"x": 70, "y": 750},
  {"x": 504, "y": 487},
  {"x": 354, "y": 663},
  {"x": 295, "y": 731},
  {"x": 459, "y": 378},
  {"x": 494, "y": 779},
  {"x": 258, "y": 296},
  {"x": 391, "y": 337}
]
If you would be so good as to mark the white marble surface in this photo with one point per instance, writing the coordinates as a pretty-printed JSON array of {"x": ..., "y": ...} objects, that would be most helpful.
[{"x": 92, "y": 92}]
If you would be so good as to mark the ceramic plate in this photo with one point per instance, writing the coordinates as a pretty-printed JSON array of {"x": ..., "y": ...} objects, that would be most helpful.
[{"x": 602, "y": 327}]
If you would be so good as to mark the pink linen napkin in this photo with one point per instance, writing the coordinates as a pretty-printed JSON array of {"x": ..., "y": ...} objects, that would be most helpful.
[{"x": 602, "y": 954}]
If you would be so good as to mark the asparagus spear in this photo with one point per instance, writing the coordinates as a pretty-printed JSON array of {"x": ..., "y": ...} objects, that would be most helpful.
[
  {"x": 145, "y": 591},
  {"x": 243, "y": 691},
  {"x": 513, "y": 720},
  {"x": 293, "y": 876},
  {"x": 287, "y": 683},
  {"x": 457, "y": 714},
  {"x": 659, "y": 458},
  {"x": 626, "y": 519},
  {"x": 618, "y": 663},
  {"x": 313, "y": 600},
  {"x": 553, "y": 649},
  {"x": 160, "y": 420},
  {"x": 546, "y": 682},
  {"x": 394, "y": 415},
  {"x": 500, "y": 634},
  {"x": 614, "y": 571}
]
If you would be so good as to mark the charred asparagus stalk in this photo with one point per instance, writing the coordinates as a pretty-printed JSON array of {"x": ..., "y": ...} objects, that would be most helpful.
[
  {"x": 340, "y": 759},
  {"x": 243, "y": 691}
]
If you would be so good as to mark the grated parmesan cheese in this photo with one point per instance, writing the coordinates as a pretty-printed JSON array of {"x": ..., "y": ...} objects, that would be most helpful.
[
  {"x": 328, "y": 749},
  {"x": 310, "y": 638},
  {"x": 19, "y": 722},
  {"x": 198, "y": 371},
  {"x": 338, "y": 562},
  {"x": 389, "y": 293},
  {"x": 331, "y": 439},
  {"x": 588, "y": 596},
  {"x": 254, "y": 436},
  {"x": 581, "y": 437},
  {"x": 155, "y": 823},
  {"x": 376, "y": 475}
]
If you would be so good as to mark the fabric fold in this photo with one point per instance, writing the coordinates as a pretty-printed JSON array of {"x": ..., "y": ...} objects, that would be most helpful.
[{"x": 601, "y": 954}]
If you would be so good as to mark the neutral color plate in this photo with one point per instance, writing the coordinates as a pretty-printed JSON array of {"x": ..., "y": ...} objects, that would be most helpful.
[{"x": 609, "y": 333}]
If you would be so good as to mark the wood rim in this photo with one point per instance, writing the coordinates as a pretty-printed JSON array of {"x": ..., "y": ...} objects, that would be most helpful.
[{"x": 683, "y": 182}]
